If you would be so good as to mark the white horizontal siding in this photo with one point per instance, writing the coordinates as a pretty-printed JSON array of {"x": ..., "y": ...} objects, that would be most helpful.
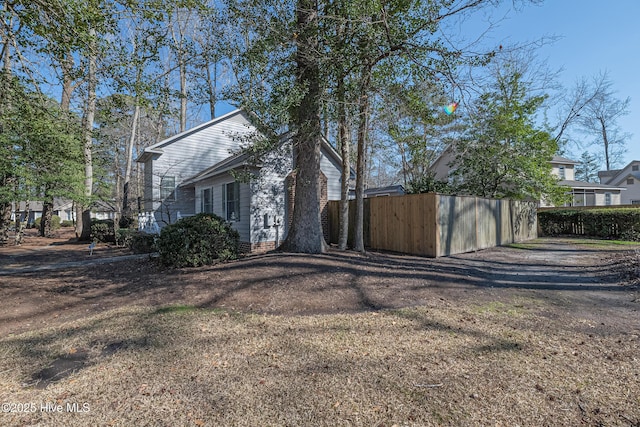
[
  {"x": 216, "y": 185},
  {"x": 332, "y": 170},
  {"x": 268, "y": 198}
]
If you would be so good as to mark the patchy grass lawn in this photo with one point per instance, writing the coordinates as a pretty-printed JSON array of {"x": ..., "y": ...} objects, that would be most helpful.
[
  {"x": 497, "y": 363},
  {"x": 503, "y": 337}
]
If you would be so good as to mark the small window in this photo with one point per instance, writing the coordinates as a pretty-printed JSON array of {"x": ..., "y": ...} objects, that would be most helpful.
[
  {"x": 167, "y": 188},
  {"x": 561, "y": 172},
  {"x": 635, "y": 202},
  {"x": 607, "y": 199},
  {"x": 634, "y": 168},
  {"x": 206, "y": 201},
  {"x": 231, "y": 201},
  {"x": 630, "y": 181}
]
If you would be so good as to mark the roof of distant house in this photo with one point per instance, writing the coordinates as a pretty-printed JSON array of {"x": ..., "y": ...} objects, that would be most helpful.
[
  {"x": 588, "y": 185},
  {"x": 563, "y": 160}
]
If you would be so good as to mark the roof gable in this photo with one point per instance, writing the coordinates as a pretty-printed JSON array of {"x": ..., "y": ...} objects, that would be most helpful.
[
  {"x": 618, "y": 175},
  {"x": 158, "y": 147}
]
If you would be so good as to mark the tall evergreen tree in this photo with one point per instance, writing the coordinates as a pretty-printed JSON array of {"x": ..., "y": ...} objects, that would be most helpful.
[{"x": 588, "y": 168}]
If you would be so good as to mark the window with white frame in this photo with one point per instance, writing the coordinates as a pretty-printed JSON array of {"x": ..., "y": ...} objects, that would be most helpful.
[
  {"x": 630, "y": 181},
  {"x": 206, "y": 200},
  {"x": 168, "y": 188},
  {"x": 562, "y": 172},
  {"x": 607, "y": 199},
  {"x": 634, "y": 168},
  {"x": 231, "y": 201}
]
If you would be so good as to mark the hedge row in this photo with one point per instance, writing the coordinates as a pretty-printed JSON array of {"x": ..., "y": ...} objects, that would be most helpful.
[{"x": 620, "y": 223}]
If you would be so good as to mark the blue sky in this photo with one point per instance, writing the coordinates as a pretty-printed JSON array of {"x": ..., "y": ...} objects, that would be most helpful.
[{"x": 594, "y": 36}]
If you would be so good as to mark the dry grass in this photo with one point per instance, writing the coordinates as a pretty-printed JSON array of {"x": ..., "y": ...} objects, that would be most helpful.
[{"x": 498, "y": 363}]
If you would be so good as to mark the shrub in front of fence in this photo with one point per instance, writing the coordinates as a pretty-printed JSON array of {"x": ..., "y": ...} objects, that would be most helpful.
[
  {"x": 622, "y": 223},
  {"x": 197, "y": 240}
]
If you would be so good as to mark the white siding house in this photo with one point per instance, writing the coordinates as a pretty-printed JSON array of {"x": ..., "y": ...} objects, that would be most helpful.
[
  {"x": 192, "y": 172},
  {"x": 583, "y": 193},
  {"x": 628, "y": 178}
]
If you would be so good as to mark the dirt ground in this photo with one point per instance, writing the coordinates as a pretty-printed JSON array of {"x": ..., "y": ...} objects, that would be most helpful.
[
  {"x": 542, "y": 333},
  {"x": 50, "y": 281}
]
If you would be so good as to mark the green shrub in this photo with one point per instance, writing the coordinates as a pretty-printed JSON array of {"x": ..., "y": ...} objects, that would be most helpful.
[
  {"x": 66, "y": 223},
  {"x": 55, "y": 222},
  {"x": 102, "y": 231},
  {"x": 197, "y": 240},
  {"x": 613, "y": 223},
  {"x": 137, "y": 241}
]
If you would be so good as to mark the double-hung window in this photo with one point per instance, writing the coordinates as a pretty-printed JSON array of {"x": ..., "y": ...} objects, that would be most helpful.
[
  {"x": 231, "y": 201},
  {"x": 168, "y": 188},
  {"x": 206, "y": 200},
  {"x": 607, "y": 199},
  {"x": 562, "y": 172}
]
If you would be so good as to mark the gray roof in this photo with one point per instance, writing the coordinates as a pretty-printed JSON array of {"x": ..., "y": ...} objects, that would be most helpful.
[
  {"x": 588, "y": 185},
  {"x": 391, "y": 189},
  {"x": 563, "y": 160}
]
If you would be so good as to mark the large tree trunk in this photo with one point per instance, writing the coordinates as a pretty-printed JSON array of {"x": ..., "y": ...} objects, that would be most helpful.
[
  {"x": 84, "y": 219},
  {"x": 306, "y": 234},
  {"x": 46, "y": 227}
]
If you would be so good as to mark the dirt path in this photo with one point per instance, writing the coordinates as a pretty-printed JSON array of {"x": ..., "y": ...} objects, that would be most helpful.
[{"x": 551, "y": 275}]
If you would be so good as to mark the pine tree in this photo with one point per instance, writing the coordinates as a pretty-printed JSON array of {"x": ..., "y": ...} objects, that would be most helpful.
[{"x": 588, "y": 168}]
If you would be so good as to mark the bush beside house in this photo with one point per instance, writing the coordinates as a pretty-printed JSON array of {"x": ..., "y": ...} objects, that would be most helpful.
[{"x": 197, "y": 240}]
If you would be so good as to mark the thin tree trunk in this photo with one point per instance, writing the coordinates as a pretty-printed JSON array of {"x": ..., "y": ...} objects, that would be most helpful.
[
  {"x": 126, "y": 209},
  {"x": 183, "y": 93},
  {"x": 212, "y": 83},
  {"x": 6, "y": 180},
  {"x": 84, "y": 220},
  {"x": 20, "y": 225},
  {"x": 67, "y": 82},
  {"x": 361, "y": 163},
  {"x": 344, "y": 139},
  {"x": 605, "y": 140}
]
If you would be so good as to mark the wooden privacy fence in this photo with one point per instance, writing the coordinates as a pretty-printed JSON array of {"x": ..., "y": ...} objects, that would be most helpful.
[{"x": 436, "y": 225}]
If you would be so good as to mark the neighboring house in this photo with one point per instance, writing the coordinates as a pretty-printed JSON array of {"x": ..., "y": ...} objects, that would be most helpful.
[
  {"x": 193, "y": 172},
  {"x": 61, "y": 207},
  {"x": 391, "y": 190},
  {"x": 583, "y": 193},
  {"x": 627, "y": 177}
]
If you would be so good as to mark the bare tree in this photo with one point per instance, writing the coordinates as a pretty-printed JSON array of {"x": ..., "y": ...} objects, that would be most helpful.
[{"x": 600, "y": 120}]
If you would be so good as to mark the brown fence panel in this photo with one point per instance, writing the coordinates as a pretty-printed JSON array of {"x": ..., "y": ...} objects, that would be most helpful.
[
  {"x": 457, "y": 223},
  {"x": 438, "y": 225},
  {"x": 404, "y": 224}
]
